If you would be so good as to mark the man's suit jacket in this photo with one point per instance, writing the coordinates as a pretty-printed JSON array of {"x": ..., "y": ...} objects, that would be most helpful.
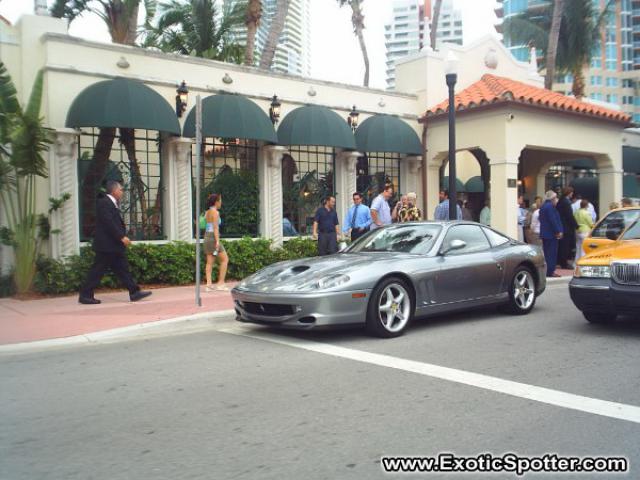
[
  {"x": 550, "y": 223},
  {"x": 110, "y": 227}
]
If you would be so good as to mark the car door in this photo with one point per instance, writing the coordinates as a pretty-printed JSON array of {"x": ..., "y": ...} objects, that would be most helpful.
[
  {"x": 469, "y": 273},
  {"x": 609, "y": 229}
]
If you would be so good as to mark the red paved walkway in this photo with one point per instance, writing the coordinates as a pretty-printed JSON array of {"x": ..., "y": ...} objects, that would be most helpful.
[{"x": 30, "y": 320}]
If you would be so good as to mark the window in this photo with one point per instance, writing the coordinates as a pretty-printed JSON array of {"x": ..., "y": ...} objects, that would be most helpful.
[
  {"x": 615, "y": 223},
  {"x": 627, "y": 83},
  {"x": 417, "y": 239},
  {"x": 596, "y": 80},
  {"x": 401, "y": 18},
  {"x": 612, "y": 82},
  {"x": 133, "y": 159},
  {"x": 472, "y": 235},
  {"x": 230, "y": 167},
  {"x": 307, "y": 178},
  {"x": 374, "y": 170},
  {"x": 496, "y": 239}
]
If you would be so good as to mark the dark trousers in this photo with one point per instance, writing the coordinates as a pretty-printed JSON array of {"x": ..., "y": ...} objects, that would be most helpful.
[
  {"x": 327, "y": 243},
  {"x": 565, "y": 248},
  {"x": 356, "y": 233},
  {"x": 550, "y": 248},
  {"x": 118, "y": 263}
]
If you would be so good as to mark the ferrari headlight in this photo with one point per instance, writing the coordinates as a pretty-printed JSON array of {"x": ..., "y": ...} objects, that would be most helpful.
[
  {"x": 328, "y": 281},
  {"x": 589, "y": 271},
  {"x": 332, "y": 281}
]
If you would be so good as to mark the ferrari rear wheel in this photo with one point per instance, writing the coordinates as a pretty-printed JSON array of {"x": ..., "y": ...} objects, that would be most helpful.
[
  {"x": 522, "y": 292},
  {"x": 390, "y": 308}
]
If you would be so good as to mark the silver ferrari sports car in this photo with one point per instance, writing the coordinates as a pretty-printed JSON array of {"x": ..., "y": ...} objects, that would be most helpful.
[{"x": 394, "y": 274}]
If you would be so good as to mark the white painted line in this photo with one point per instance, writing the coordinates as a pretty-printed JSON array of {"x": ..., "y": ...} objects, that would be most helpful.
[{"x": 621, "y": 411}]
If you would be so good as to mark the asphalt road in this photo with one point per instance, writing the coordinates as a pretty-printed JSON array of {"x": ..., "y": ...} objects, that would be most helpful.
[{"x": 219, "y": 405}]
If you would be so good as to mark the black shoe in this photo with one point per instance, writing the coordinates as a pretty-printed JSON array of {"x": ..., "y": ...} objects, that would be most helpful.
[
  {"x": 88, "y": 301},
  {"x": 139, "y": 295}
]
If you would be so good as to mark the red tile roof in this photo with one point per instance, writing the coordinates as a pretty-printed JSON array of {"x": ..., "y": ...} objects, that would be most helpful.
[{"x": 491, "y": 89}]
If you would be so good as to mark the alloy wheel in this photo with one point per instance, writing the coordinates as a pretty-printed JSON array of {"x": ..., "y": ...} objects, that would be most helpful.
[{"x": 394, "y": 307}]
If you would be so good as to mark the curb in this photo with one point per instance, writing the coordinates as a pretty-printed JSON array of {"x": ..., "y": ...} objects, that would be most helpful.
[
  {"x": 185, "y": 324},
  {"x": 558, "y": 280}
]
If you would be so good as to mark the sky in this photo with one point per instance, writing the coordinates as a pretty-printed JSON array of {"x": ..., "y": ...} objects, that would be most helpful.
[{"x": 335, "y": 52}]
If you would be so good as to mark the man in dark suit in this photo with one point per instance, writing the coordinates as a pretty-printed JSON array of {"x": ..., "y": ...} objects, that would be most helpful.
[
  {"x": 551, "y": 231},
  {"x": 569, "y": 227},
  {"x": 110, "y": 244}
]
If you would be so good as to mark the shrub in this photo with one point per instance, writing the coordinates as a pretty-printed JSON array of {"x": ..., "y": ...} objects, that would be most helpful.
[{"x": 170, "y": 264}]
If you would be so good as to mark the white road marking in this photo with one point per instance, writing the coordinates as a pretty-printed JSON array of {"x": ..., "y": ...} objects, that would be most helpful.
[{"x": 621, "y": 411}]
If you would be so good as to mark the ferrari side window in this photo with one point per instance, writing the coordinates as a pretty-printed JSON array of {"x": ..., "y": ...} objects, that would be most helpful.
[{"x": 471, "y": 235}]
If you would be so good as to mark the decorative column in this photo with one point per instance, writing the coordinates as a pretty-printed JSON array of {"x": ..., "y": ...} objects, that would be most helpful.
[
  {"x": 346, "y": 183},
  {"x": 270, "y": 181},
  {"x": 179, "y": 215},
  {"x": 504, "y": 195},
  {"x": 409, "y": 174},
  {"x": 610, "y": 186},
  {"x": 433, "y": 183},
  {"x": 63, "y": 178}
]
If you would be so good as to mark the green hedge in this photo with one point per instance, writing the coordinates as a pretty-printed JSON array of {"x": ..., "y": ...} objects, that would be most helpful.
[{"x": 171, "y": 264}]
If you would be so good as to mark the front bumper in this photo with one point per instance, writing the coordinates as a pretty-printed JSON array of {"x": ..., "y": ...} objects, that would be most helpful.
[
  {"x": 301, "y": 311},
  {"x": 604, "y": 295}
]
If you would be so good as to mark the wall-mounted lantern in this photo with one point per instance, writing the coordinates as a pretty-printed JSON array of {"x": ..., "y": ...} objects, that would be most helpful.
[
  {"x": 182, "y": 98},
  {"x": 274, "y": 110},
  {"x": 353, "y": 117}
]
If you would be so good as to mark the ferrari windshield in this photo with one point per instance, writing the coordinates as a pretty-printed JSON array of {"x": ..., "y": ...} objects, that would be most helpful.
[{"x": 412, "y": 238}]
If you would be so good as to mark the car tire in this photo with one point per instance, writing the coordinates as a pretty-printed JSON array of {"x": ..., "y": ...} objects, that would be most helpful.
[
  {"x": 391, "y": 308},
  {"x": 599, "y": 317},
  {"x": 522, "y": 292}
]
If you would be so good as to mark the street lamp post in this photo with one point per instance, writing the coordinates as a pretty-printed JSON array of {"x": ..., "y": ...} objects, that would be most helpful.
[{"x": 451, "y": 74}]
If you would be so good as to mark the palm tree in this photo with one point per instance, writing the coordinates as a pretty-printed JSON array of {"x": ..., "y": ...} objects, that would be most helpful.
[
  {"x": 252, "y": 21},
  {"x": 275, "y": 30},
  {"x": 579, "y": 35},
  {"x": 23, "y": 142},
  {"x": 434, "y": 23},
  {"x": 197, "y": 28},
  {"x": 357, "y": 19},
  {"x": 552, "y": 50}
]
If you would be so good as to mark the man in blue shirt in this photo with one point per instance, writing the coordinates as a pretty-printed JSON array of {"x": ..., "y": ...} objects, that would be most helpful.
[
  {"x": 358, "y": 218},
  {"x": 442, "y": 210},
  {"x": 550, "y": 231},
  {"x": 325, "y": 227},
  {"x": 380, "y": 211}
]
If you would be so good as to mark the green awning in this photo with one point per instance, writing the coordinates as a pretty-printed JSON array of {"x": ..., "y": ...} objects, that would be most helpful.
[
  {"x": 387, "y": 133},
  {"x": 231, "y": 116},
  {"x": 631, "y": 159},
  {"x": 122, "y": 103},
  {"x": 474, "y": 185},
  {"x": 630, "y": 186},
  {"x": 444, "y": 184},
  {"x": 317, "y": 126}
]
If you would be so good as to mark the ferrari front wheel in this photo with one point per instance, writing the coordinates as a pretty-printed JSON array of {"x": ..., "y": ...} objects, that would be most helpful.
[{"x": 390, "y": 308}]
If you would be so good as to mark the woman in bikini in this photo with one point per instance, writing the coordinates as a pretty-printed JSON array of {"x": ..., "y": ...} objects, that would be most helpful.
[{"x": 212, "y": 246}]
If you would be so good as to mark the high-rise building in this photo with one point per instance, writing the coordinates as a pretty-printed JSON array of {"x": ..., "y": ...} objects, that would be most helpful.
[
  {"x": 408, "y": 30},
  {"x": 613, "y": 75},
  {"x": 293, "y": 54}
]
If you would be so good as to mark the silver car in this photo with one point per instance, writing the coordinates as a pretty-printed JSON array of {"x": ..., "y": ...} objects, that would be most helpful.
[{"x": 394, "y": 274}]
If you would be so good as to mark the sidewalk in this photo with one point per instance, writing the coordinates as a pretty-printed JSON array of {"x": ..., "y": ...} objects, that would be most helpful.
[{"x": 49, "y": 318}]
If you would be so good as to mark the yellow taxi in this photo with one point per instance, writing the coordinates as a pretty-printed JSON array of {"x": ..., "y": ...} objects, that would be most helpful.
[
  {"x": 607, "y": 230},
  {"x": 606, "y": 282}
]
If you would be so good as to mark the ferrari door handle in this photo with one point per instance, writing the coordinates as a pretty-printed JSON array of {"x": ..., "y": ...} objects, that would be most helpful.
[{"x": 499, "y": 265}]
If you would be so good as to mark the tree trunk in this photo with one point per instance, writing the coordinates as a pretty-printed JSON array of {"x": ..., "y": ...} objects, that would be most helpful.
[
  {"x": 552, "y": 49},
  {"x": 578, "y": 82},
  {"x": 128, "y": 140},
  {"x": 252, "y": 21},
  {"x": 277, "y": 25},
  {"x": 123, "y": 24},
  {"x": 93, "y": 177},
  {"x": 357, "y": 18},
  {"x": 434, "y": 23}
]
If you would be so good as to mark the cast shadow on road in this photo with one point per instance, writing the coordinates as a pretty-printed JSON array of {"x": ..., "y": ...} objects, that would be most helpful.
[
  {"x": 624, "y": 326},
  {"x": 345, "y": 334}
]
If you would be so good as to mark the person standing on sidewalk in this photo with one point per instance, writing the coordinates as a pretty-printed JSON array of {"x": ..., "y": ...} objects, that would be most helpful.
[
  {"x": 550, "y": 231},
  {"x": 585, "y": 224},
  {"x": 326, "y": 227},
  {"x": 569, "y": 227},
  {"x": 380, "y": 211},
  {"x": 358, "y": 218},
  {"x": 110, "y": 245}
]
